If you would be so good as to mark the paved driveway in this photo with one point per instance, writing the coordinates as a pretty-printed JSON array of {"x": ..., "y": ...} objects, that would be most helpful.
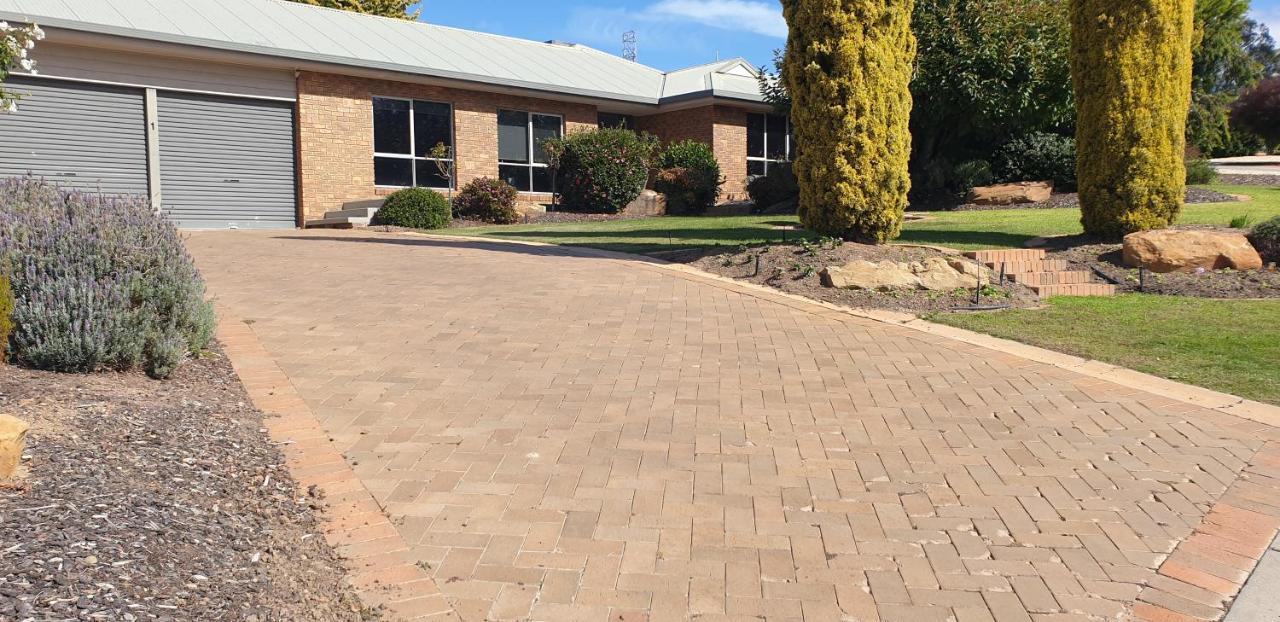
[{"x": 572, "y": 437}]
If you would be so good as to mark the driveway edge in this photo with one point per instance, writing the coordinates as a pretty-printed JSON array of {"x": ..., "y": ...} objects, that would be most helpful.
[{"x": 372, "y": 550}]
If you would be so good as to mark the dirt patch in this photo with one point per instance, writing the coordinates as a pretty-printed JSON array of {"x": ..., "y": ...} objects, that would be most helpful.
[
  {"x": 1105, "y": 259},
  {"x": 794, "y": 268},
  {"x": 148, "y": 500},
  {"x": 1071, "y": 199}
]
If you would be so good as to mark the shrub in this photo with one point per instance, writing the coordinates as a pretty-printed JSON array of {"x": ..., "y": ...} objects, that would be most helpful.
[
  {"x": 1265, "y": 237},
  {"x": 415, "y": 208},
  {"x": 689, "y": 176},
  {"x": 848, "y": 67},
  {"x": 488, "y": 200},
  {"x": 6, "y": 316},
  {"x": 1200, "y": 172},
  {"x": 601, "y": 170},
  {"x": 1131, "y": 67},
  {"x": 1040, "y": 156},
  {"x": 769, "y": 190},
  {"x": 970, "y": 175},
  {"x": 99, "y": 282},
  {"x": 1258, "y": 111}
]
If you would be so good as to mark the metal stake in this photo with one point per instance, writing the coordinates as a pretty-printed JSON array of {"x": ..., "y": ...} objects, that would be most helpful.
[
  {"x": 1142, "y": 279},
  {"x": 757, "y": 272},
  {"x": 1002, "y": 264}
]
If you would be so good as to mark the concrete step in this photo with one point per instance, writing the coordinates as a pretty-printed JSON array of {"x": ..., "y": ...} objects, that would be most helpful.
[
  {"x": 373, "y": 204},
  {"x": 1007, "y": 255},
  {"x": 1066, "y": 277},
  {"x": 337, "y": 223},
  {"x": 1022, "y": 267},
  {"x": 1078, "y": 289},
  {"x": 352, "y": 212}
]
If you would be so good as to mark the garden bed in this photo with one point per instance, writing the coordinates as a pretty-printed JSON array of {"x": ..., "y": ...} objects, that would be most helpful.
[
  {"x": 1106, "y": 259},
  {"x": 1071, "y": 199},
  {"x": 147, "y": 499},
  {"x": 794, "y": 268}
]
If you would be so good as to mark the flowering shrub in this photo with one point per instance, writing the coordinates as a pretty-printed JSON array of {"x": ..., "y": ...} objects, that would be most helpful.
[
  {"x": 601, "y": 170},
  {"x": 689, "y": 176},
  {"x": 415, "y": 208},
  {"x": 99, "y": 282},
  {"x": 487, "y": 200},
  {"x": 16, "y": 44}
]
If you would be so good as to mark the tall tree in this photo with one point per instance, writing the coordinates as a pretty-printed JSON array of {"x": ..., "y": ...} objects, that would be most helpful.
[
  {"x": 386, "y": 8},
  {"x": 848, "y": 69},
  {"x": 1131, "y": 67},
  {"x": 1227, "y": 57}
]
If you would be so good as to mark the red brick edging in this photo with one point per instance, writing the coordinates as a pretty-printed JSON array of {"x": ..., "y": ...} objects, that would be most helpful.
[{"x": 372, "y": 550}]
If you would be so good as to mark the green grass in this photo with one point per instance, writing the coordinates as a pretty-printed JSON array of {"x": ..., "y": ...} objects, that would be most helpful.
[
  {"x": 1226, "y": 345},
  {"x": 962, "y": 230}
]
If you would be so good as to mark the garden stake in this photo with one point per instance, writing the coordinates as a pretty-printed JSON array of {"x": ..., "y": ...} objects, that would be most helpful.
[
  {"x": 757, "y": 272},
  {"x": 1142, "y": 279},
  {"x": 1001, "y": 274},
  {"x": 977, "y": 292}
]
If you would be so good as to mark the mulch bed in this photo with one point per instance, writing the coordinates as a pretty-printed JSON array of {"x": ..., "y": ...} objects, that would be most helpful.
[
  {"x": 1272, "y": 181},
  {"x": 157, "y": 500},
  {"x": 794, "y": 268},
  {"x": 548, "y": 217},
  {"x": 1106, "y": 258},
  {"x": 1071, "y": 199}
]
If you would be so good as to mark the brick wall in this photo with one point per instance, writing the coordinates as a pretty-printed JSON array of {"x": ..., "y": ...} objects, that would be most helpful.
[
  {"x": 336, "y": 133},
  {"x": 722, "y": 127}
]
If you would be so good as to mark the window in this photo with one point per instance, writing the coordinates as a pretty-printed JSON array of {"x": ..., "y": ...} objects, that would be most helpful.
[
  {"x": 521, "y": 160},
  {"x": 404, "y": 132},
  {"x": 614, "y": 120},
  {"x": 768, "y": 140}
]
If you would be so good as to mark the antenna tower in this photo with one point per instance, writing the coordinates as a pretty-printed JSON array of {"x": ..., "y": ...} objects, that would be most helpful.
[{"x": 629, "y": 45}]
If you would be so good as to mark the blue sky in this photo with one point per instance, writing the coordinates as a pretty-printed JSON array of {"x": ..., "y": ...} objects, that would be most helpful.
[{"x": 670, "y": 33}]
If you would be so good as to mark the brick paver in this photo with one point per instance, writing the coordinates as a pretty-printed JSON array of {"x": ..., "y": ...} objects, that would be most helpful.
[{"x": 561, "y": 437}]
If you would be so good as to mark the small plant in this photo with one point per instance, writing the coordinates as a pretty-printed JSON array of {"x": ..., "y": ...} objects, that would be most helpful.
[
  {"x": 807, "y": 272},
  {"x": 830, "y": 243},
  {"x": 778, "y": 272},
  {"x": 1243, "y": 221},
  {"x": 1265, "y": 238},
  {"x": 601, "y": 170},
  {"x": 689, "y": 176},
  {"x": 488, "y": 200},
  {"x": 727, "y": 261},
  {"x": 1200, "y": 172},
  {"x": 445, "y": 164},
  {"x": 808, "y": 248},
  {"x": 415, "y": 208}
]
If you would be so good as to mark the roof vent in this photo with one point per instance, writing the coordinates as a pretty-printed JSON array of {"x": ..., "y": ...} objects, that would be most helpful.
[{"x": 567, "y": 44}]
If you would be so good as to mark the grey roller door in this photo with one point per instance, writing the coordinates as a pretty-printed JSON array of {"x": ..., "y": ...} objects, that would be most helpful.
[
  {"x": 226, "y": 162},
  {"x": 81, "y": 136}
]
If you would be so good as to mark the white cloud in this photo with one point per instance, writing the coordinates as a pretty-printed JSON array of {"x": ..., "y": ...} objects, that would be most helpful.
[{"x": 758, "y": 17}]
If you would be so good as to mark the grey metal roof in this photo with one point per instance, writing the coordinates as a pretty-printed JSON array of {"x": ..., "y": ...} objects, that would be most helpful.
[{"x": 296, "y": 31}]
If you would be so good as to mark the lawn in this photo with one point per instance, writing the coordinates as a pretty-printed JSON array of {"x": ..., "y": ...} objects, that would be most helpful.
[
  {"x": 1231, "y": 346},
  {"x": 963, "y": 230}
]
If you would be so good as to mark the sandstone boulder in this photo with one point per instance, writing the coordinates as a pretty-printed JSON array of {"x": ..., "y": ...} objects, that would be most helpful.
[
  {"x": 1011, "y": 194},
  {"x": 937, "y": 274},
  {"x": 13, "y": 435},
  {"x": 1185, "y": 250},
  {"x": 883, "y": 276},
  {"x": 649, "y": 203}
]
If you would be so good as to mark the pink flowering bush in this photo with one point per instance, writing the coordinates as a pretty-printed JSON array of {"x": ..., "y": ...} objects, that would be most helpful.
[
  {"x": 601, "y": 170},
  {"x": 16, "y": 43},
  {"x": 487, "y": 200}
]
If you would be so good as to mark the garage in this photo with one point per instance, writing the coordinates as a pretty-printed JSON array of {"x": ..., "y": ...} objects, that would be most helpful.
[{"x": 219, "y": 162}]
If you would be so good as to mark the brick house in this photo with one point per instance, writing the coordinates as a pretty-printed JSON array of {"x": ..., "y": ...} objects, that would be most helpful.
[{"x": 266, "y": 113}]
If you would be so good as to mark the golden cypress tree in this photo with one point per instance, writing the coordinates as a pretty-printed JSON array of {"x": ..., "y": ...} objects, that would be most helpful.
[
  {"x": 1131, "y": 67},
  {"x": 848, "y": 69}
]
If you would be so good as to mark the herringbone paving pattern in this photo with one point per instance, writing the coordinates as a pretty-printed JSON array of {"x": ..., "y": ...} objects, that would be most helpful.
[{"x": 564, "y": 437}]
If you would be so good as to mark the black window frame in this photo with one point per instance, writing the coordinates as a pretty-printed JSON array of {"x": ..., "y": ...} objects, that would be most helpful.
[
  {"x": 416, "y": 160},
  {"x": 763, "y": 161},
  {"x": 536, "y": 171}
]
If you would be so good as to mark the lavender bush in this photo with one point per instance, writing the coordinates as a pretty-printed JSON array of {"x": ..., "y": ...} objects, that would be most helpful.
[{"x": 99, "y": 282}]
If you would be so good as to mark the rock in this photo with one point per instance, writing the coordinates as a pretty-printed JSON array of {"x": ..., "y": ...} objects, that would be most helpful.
[
  {"x": 972, "y": 270},
  {"x": 938, "y": 275},
  {"x": 1010, "y": 194},
  {"x": 649, "y": 203},
  {"x": 1185, "y": 250},
  {"x": 883, "y": 276},
  {"x": 13, "y": 436}
]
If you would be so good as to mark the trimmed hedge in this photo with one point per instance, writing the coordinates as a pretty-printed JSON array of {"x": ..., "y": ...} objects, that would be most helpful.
[
  {"x": 1265, "y": 237},
  {"x": 99, "y": 282},
  {"x": 1131, "y": 67},
  {"x": 769, "y": 190},
  {"x": 414, "y": 208},
  {"x": 488, "y": 200},
  {"x": 601, "y": 170},
  {"x": 689, "y": 176}
]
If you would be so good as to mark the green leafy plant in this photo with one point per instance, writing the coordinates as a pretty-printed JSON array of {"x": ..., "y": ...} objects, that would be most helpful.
[
  {"x": 689, "y": 176},
  {"x": 415, "y": 208},
  {"x": 1039, "y": 156},
  {"x": 601, "y": 170},
  {"x": 778, "y": 186},
  {"x": 1243, "y": 221},
  {"x": 6, "y": 315},
  {"x": 1200, "y": 172},
  {"x": 970, "y": 174},
  {"x": 1265, "y": 238},
  {"x": 488, "y": 200}
]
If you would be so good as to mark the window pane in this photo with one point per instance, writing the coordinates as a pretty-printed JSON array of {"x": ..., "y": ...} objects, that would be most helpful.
[
  {"x": 515, "y": 175},
  {"x": 544, "y": 127},
  {"x": 392, "y": 172},
  {"x": 542, "y": 179},
  {"x": 431, "y": 126},
  {"x": 755, "y": 167},
  {"x": 755, "y": 136},
  {"x": 777, "y": 141},
  {"x": 513, "y": 136},
  {"x": 390, "y": 125},
  {"x": 429, "y": 175}
]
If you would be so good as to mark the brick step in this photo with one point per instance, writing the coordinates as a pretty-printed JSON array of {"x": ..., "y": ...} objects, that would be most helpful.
[
  {"x": 1078, "y": 289},
  {"x": 1007, "y": 255},
  {"x": 1065, "y": 277},
  {"x": 1023, "y": 267}
]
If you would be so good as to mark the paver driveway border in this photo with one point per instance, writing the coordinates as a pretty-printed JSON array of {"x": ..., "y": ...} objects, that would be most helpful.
[{"x": 1193, "y": 585}]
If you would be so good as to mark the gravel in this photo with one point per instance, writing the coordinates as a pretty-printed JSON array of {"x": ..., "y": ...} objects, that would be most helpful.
[
  {"x": 1251, "y": 180},
  {"x": 157, "y": 500},
  {"x": 1071, "y": 199}
]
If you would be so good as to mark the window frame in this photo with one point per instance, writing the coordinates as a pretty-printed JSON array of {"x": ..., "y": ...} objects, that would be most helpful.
[
  {"x": 531, "y": 164},
  {"x": 764, "y": 141},
  {"x": 413, "y": 158}
]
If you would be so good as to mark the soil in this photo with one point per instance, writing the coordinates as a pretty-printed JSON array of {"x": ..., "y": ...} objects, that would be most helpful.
[
  {"x": 794, "y": 268},
  {"x": 1071, "y": 199},
  {"x": 1106, "y": 259},
  {"x": 157, "y": 500}
]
